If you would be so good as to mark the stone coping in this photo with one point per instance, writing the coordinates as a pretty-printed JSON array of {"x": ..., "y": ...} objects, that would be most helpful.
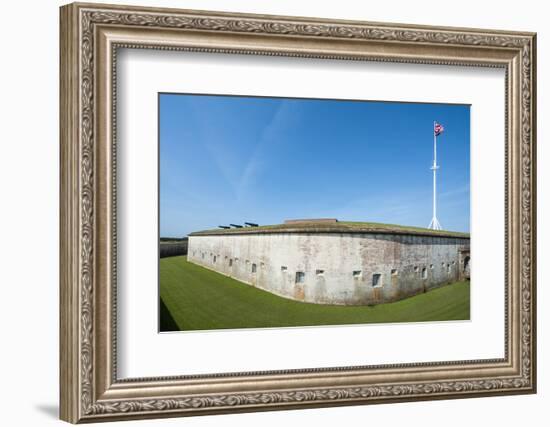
[{"x": 333, "y": 228}]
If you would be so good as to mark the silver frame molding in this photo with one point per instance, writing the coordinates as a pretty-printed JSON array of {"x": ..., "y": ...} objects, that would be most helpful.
[{"x": 90, "y": 37}]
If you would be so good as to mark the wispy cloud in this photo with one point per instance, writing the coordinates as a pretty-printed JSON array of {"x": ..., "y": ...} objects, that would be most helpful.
[
  {"x": 240, "y": 172},
  {"x": 400, "y": 207},
  {"x": 281, "y": 118},
  {"x": 462, "y": 190},
  {"x": 205, "y": 132}
]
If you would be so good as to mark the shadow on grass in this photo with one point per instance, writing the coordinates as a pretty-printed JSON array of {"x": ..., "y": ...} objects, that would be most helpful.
[{"x": 167, "y": 322}]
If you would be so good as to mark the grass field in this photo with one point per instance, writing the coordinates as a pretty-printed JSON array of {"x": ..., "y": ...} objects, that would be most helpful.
[{"x": 195, "y": 298}]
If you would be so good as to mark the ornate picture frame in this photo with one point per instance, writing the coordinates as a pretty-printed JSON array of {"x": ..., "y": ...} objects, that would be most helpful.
[{"x": 90, "y": 37}]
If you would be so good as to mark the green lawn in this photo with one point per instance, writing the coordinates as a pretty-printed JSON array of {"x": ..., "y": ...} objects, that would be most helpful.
[{"x": 195, "y": 298}]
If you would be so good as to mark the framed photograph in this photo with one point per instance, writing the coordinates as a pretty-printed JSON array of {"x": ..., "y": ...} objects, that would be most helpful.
[
  {"x": 290, "y": 158},
  {"x": 266, "y": 212}
]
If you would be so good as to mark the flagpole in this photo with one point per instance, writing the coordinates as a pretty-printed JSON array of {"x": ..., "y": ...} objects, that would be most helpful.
[
  {"x": 434, "y": 225},
  {"x": 435, "y": 176}
]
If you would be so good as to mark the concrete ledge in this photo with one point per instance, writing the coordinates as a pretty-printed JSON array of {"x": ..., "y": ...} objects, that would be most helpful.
[{"x": 333, "y": 228}]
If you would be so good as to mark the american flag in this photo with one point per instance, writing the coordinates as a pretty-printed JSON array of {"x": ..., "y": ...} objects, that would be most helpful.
[{"x": 438, "y": 129}]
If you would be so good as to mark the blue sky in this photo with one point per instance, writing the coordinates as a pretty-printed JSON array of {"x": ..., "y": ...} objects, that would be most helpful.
[{"x": 228, "y": 159}]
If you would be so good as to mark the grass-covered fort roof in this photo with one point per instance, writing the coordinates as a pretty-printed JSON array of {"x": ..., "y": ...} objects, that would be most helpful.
[{"x": 321, "y": 226}]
